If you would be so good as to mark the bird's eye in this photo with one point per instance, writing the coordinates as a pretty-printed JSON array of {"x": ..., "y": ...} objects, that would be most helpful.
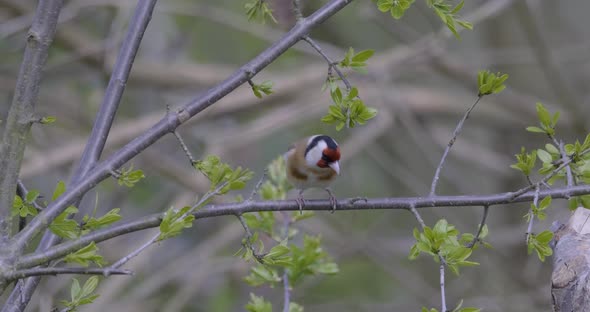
[{"x": 326, "y": 158}]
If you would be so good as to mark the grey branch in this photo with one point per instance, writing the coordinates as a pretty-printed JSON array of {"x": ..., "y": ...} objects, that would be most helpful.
[
  {"x": 21, "y": 111},
  {"x": 172, "y": 120},
  {"x": 100, "y": 130},
  {"x": 57, "y": 271},
  {"x": 232, "y": 209}
]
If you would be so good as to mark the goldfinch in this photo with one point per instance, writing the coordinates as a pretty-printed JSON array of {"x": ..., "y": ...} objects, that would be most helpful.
[{"x": 313, "y": 162}]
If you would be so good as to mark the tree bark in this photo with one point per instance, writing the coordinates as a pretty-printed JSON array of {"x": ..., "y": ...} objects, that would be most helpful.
[{"x": 570, "y": 281}]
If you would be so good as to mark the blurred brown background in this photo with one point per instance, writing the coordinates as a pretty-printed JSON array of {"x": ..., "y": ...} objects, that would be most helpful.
[{"x": 421, "y": 79}]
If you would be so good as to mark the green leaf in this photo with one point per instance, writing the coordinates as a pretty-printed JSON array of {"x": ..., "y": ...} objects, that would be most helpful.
[
  {"x": 258, "y": 304},
  {"x": 174, "y": 221},
  {"x": 258, "y": 10},
  {"x": 75, "y": 290},
  {"x": 32, "y": 196},
  {"x": 294, "y": 307},
  {"x": 263, "y": 88},
  {"x": 544, "y": 156},
  {"x": 109, "y": 218},
  {"x": 363, "y": 56},
  {"x": 60, "y": 188},
  {"x": 130, "y": 177},
  {"x": 64, "y": 227},
  {"x": 47, "y": 120},
  {"x": 85, "y": 256},
  {"x": 487, "y": 82}
]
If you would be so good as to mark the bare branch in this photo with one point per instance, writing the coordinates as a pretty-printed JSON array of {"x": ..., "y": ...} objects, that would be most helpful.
[
  {"x": 18, "y": 125},
  {"x": 172, "y": 120},
  {"x": 187, "y": 152},
  {"x": 481, "y": 225},
  {"x": 286, "y": 286},
  {"x": 59, "y": 271},
  {"x": 258, "y": 185},
  {"x": 448, "y": 148},
  {"x": 443, "y": 299}
]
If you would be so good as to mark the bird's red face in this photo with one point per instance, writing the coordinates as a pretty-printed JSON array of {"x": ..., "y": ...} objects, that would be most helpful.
[{"x": 329, "y": 155}]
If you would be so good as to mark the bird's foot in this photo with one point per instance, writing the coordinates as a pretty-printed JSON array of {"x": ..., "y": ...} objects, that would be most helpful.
[
  {"x": 333, "y": 200},
  {"x": 300, "y": 201}
]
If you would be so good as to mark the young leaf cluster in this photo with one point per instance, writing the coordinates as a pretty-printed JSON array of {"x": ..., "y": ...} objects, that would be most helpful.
[
  {"x": 448, "y": 15},
  {"x": 540, "y": 244},
  {"x": 26, "y": 207},
  {"x": 525, "y": 162},
  {"x": 258, "y": 304},
  {"x": 458, "y": 308},
  {"x": 442, "y": 240},
  {"x": 578, "y": 154},
  {"x": 258, "y": 10},
  {"x": 277, "y": 185},
  {"x": 85, "y": 256},
  {"x": 263, "y": 88},
  {"x": 348, "y": 110},
  {"x": 65, "y": 227},
  {"x": 220, "y": 173},
  {"x": 539, "y": 212},
  {"x": 174, "y": 221},
  {"x": 397, "y": 8},
  {"x": 546, "y": 121},
  {"x": 356, "y": 61},
  {"x": 130, "y": 177},
  {"x": 81, "y": 295},
  {"x": 490, "y": 83}
]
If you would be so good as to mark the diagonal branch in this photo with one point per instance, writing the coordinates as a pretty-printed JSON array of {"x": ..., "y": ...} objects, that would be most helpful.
[
  {"x": 172, "y": 120},
  {"x": 231, "y": 209}
]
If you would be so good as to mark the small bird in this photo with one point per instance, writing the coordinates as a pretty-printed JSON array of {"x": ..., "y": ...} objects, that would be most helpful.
[{"x": 313, "y": 162}]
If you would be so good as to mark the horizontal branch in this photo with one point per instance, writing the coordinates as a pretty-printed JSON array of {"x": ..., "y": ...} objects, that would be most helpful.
[
  {"x": 56, "y": 271},
  {"x": 232, "y": 209}
]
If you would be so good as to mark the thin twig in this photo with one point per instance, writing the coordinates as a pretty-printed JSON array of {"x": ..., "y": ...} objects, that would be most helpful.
[
  {"x": 258, "y": 185},
  {"x": 332, "y": 65},
  {"x": 297, "y": 10},
  {"x": 449, "y": 145},
  {"x": 443, "y": 299},
  {"x": 18, "y": 274},
  {"x": 248, "y": 243},
  {"x": 486, "y": 208},
  {"x": 568, "y": 169},
  {"x": 187, "y": 152},
  {"x": 417, "y": 216},
  {"x": 229, "y": 209},
  {"x": 529, "y": 229},
  {"x": 286, "y": 287}
]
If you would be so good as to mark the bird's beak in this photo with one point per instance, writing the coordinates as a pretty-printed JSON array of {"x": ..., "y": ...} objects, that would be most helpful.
[{"x": 335, "y": 166}]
